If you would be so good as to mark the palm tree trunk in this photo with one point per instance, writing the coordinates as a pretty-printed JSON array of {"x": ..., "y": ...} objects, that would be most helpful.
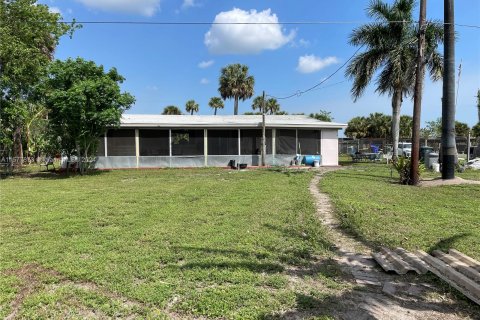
[
  {"x": 235, "y": 106},
  {"x": 191, "y": 112},
  {"x": 396, "y": 106},
  {"x": 215, "y": 113},
  {"x": 17, "y": 148}
]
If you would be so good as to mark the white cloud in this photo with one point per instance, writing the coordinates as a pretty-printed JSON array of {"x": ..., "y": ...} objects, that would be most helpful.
[
  {"x": 204, "y": 81},
  {"x": 55, "y": 10},
  {"x": 189, "y": 4},
  {"x": 246, "y": 38},
  {"x": 205, "y": 64},
  {"x": 141, "y": 7},
  {"x": 311, "y": 63}
]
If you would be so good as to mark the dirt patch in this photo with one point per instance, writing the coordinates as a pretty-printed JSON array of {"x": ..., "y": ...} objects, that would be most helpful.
[
  {"x": 450, "y": 182},
  {"x": 379, "y": 295}
]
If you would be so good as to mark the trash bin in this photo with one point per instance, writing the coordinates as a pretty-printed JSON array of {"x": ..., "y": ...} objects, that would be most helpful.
[
  {"x": 431, "y": 158},
  {"x": 316, "y": 163},
  {"x": 424, "y": 151}
]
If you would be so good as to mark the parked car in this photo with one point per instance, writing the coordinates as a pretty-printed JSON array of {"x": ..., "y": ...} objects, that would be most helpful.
[
  {"x": 404, "y": 149},
  {"x": 473, "y": 164}
]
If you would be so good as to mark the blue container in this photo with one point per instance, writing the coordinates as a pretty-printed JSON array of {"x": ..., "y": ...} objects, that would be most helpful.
[{"x": 308, "y": 160}]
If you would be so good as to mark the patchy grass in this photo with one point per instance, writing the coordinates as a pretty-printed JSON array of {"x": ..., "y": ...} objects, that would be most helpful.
[
  {"x": 380, "y": 211},
  {"x": 153, "y": 243}
]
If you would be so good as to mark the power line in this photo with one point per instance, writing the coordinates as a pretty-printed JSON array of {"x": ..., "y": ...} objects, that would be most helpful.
[
  {"x": 299, "y": 92},
  {"x": 245, "y": 23}
]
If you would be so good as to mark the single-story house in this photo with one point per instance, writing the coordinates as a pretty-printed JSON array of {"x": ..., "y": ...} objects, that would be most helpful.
[{"x": 155, "y": 141}]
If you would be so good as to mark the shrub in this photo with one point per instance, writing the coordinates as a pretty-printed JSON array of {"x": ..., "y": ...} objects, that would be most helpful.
[{"x": 402, "y": 165}]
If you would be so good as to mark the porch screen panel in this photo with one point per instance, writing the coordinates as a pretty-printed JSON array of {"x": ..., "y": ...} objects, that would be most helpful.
[
  {"x": 121, "y": 142},
  {"x": 285, "y": 141},
  {"x": 154, "y": 142},
  {"x": 187, "y": 142},
  {"x": 222, "y": 142},
  {"x": 101, "y": 146},
  {"x": 309, "y": 141},
  {"x": 251, "y": 141}
]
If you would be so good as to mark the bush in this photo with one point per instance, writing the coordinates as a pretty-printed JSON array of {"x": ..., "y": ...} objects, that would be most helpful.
[{"x": 402, "y": 165}]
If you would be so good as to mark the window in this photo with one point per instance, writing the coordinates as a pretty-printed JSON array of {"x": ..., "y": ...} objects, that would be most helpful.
[
  {"x": 309, "y": 141},
  {"x": 285, "y": 141},
  {"x": 251, "y": 141},
  {"x": 187, "y": 142},
  {"x": 121, "y": 142},
  {"x": 222, "y": 142},
  {"x": 154, "y": 143}
]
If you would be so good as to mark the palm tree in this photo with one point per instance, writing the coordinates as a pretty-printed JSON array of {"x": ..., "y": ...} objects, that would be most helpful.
[
  {"x": 191, "y": 106},
  {"x": 271, "y": 105},
  {"x": 171, "y": 110},
  {"x": 257, "y": 103},
  {"x": 392, "y": 47},
  {"x": 216, "y": 103},
  {"x": 357, "y": 128},
  {"x": 235, "y": 83}
]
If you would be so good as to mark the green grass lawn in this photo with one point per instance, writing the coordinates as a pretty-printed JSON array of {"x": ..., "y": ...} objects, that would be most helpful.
[
  {"x": 152, "y": 243},
  {"x": 382, "y": 212}
]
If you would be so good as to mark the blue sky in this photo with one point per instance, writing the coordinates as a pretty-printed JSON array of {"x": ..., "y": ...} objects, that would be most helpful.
[{"x": 170, "y": 64}]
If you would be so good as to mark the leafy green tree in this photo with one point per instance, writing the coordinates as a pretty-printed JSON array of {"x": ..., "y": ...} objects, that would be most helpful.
[
  {"x": 378, "y": 125},
  {"x": 83, "y": 101},
  {"x": 171, "y": 110},
  {"x": 406, "y": 125},
  {"x": 216, "y": 103},
  {"x": 235, "y": 83},
  {"x": 29, "y": 34},
  {"x": 357, "y": 128},
  {"x": 432, "y": 129},
  {"x": 191, "y": 106},
  {"x": 476, "y": 130},
  {"x": 391, "y": 53},
  {"x": 461, "y": 129},
  {"x": 322, "y": 116}
]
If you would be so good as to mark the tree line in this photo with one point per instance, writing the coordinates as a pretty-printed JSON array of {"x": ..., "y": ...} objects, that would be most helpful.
[{"x": 378, "y": 125}]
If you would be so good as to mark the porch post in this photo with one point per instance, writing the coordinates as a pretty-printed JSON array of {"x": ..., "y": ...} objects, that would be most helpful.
[{"x": 137, "y": 146}]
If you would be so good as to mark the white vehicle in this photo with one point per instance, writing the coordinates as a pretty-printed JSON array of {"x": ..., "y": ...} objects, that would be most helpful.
[{"x": 404, "y": 149}]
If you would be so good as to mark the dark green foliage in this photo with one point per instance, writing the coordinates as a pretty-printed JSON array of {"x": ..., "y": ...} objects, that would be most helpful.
[
  {"x": 322, "y": 116},
  {"x": 171, "y": 110},
  {"x": 83, "y": 101},
  {"x": 235, "y": 83}
]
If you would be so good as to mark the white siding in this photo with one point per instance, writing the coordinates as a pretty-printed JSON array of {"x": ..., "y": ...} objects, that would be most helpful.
[{"x": 329, "y": 147}]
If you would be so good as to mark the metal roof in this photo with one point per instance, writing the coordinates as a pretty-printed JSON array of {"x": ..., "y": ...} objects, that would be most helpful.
[{"x": 241, "y": 121}]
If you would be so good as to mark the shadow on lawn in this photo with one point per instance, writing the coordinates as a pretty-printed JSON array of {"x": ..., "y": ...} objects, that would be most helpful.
[
  {"x": 54, "y": 175},
  {"x": 448, "y": 243}
]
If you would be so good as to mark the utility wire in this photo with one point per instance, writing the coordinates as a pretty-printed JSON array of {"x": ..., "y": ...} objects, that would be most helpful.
[
  {"x": 245, "y": 23},
  {"x": 300, "y": 92}
]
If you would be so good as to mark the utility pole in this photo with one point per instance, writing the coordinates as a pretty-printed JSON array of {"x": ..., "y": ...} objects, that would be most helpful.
[
  {"x": 417, "y": 98},
  {"x": 448, "y": 105},
  {"x": 264, "y": 146}
]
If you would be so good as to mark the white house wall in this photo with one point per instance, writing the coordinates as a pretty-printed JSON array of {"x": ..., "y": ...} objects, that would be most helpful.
[{"x": 329, "y": 147}]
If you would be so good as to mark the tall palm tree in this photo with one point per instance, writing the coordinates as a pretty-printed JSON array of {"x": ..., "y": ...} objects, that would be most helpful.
[
  {"x": 392, "y": 47},
  {"x": 171, "y": 110},
  {"x": 257, "y": 103},
  {"x": 236, "y": 83},
  {"x": 191, "y": 106},
  {"x": 271, "y": 105},
  {"x": 216, "y": 103}
]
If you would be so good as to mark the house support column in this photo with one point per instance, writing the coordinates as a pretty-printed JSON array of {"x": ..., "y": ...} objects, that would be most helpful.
[
  {"x": 105, "y": 144},
  {"x": 137, "y": 146},
  {"x": 170, "y": 147},
  {"x": 205, "y": 147}
]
